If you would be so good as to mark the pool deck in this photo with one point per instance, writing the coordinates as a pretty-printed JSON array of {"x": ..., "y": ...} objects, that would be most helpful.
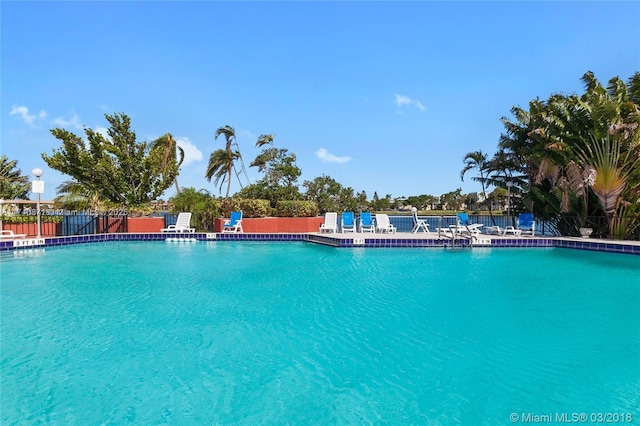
[
  {"x": 432, "y": 239},
  {"x": 349, "y": 240}
]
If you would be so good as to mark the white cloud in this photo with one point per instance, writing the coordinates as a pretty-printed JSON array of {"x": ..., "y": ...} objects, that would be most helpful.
[
  {"x": 328, "y": 157},
  {"x": 191, "y": 152},
  {"x": 402, "y": 100},
  {"x": 23, "y": 112},
  {"x": 73, "y": 122}
]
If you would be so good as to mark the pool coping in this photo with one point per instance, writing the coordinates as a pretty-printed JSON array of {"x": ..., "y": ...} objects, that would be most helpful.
[{"x": 351, "y": 240}]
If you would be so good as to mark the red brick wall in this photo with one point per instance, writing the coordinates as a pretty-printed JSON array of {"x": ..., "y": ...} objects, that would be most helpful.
[
  {"x": 276, "y": 225},
  {"x": 145, "y": 224},
  {"x": 31, "y": 229}
]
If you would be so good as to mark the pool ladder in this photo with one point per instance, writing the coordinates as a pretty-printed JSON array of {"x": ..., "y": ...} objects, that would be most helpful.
[{"x": 454, "y": 234}]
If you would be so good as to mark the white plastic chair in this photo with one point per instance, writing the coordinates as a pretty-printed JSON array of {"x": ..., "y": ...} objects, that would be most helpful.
[
  {"x": 183, "y": 224},
  {"x": 330, "y": 222},
  {"x": 383, "y": 225},
  {"x": 233, "y": 224},
  {"x": 7, "y": 234},
  {"x": 418, "y": 224}
]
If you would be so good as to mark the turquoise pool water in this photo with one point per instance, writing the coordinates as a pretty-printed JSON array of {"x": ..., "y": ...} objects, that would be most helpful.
[{"x": 295, "y": 333}]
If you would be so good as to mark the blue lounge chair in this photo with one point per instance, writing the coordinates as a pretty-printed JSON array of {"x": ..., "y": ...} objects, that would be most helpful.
[
  {"x": 366, "y": 224},
  {"x": 526, "y": 225},
  {"x": 233, "y": 224},
  {"x": 348, "y": 222}
]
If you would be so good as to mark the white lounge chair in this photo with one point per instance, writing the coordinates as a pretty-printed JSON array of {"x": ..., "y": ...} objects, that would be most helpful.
[
  {"x": 348, "y": 222},
  {"x": 383, "y": 225},
  {"x": 233, "y": 224},
  {"x": 526, "y": 225},
  {"x": 330, "y": 222},
  {"x": 418, "y": 224},
  {"x": 183, "y": 223},
  {"x": 7, "y": 234},
  {"x": 366, "y": 224},
  {"x": 464, "y": 226},
  {"x": 493, "y": 230}
]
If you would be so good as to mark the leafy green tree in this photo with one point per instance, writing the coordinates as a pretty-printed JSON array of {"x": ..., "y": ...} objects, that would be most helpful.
[
  {"x": 204, "y": 207},
  {"x": 280, "y": 174},
  {"x": 559, "y": 144},
  {"x": 13, "y": 184},
  {"x": 421, "y": 202},
  {"x": 498, "y": 197},
  {"x": 116, "y": 167},
  {"x": 380, "y": 204},
  {"x": 452, "y": 200},
  {"x": 362, "y": 202},
  {"x": 330, "y": 195},
  {"x": 171, "y": 151}
]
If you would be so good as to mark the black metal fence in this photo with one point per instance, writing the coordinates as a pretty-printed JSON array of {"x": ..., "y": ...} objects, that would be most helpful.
[{"x": 66, "y": 223}]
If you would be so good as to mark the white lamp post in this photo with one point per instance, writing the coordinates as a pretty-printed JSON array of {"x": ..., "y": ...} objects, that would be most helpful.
[
  {"x": 509, "y": 185},
  {"x": 37, "y": 187}
]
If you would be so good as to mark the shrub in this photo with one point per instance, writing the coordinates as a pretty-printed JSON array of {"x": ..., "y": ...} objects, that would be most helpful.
[
  {"x": 141, "y": 210},
  {"x": 296, "y": 209},
  {"x": 31, "y": 219},
  {"x": 248, "y": 207}
]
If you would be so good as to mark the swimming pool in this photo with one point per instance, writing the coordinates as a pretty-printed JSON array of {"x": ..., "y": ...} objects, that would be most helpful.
[{"x": 272, "y": 333}]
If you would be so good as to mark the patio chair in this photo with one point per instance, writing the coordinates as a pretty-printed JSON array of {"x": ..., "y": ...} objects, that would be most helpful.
[
  {"x": 348, "y": 222},
  {"x": 493, "y": 230},
  {"x": 233, "y": 224},
  {"x": 330, "y": 222},
  {"x": 526, "y": 225},
  {"x": 183, "y": 224},
  {"x": 366, "y": 224},
  {"x": 383, "y": 225},
  {"x": 464, "y": 226},
  {"x": 7, "y": 234},
  {"x": 418, "y": 224}
]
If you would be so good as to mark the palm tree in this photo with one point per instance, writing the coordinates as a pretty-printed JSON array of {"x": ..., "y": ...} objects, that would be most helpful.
[
  {"x": 477, "y": 160},
  {"x": 13, "y": 185},
  {"x": 265, "y": 140},
  {"x": 171, "y": 152},
  {"x": 556, "y": 145},
  {"x": 611, "y": 169},
  {"x": 73, "y": 195},
  {"x": 220, "y": 167},
  {"x": 230, "y": 137}
]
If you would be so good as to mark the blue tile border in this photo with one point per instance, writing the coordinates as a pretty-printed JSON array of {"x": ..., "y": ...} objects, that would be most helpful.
[{"x": 343, "y": 242}]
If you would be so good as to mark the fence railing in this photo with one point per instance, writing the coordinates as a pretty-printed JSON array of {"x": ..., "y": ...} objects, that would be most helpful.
[
  {"x": 69, "y": 223},
  {"x": 628, "y": 226},
  {"x": 56, "y": 223}
]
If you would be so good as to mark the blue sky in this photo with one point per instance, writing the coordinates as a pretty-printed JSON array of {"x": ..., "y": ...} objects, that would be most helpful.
[{"x": 381, "y": 96}]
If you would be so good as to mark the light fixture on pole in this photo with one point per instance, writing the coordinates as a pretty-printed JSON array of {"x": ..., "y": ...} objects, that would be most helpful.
[
  {"x": 509, "y": 185},
  {"x": 37, "y": 187}
]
